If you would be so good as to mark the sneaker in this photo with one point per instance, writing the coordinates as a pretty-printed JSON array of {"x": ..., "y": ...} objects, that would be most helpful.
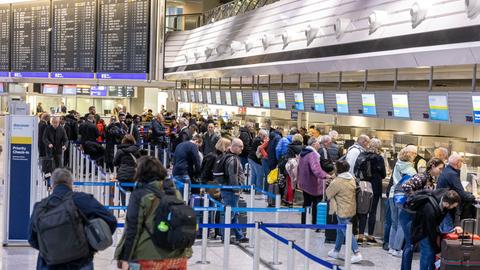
[
  {"x": 390, "y": 251},
  {"x": 385, "y": 246},
  {"x": 356, "y": 258},
  {"x": 333, "y": 254},
  {"x": 397, "y": 253},
  {"x": 243, "y": 240}
]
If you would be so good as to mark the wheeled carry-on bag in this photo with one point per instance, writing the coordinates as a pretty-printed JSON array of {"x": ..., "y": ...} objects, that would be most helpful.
[{"x": 463, "y": 253}]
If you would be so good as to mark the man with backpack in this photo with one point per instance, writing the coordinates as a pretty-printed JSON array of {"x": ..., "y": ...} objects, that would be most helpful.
[
  {"x": 187, "y": 161},
  {"x": 228, "y": 171},
  {"x": 57, "y": 226},
  {"x": 354, "y": 151}
]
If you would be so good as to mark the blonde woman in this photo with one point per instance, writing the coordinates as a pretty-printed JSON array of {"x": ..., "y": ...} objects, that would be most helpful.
[{"x": 404, "y": 166}]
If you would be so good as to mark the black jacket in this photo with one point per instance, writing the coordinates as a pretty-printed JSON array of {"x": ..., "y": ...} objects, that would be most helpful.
[
  {"x": 57, "y": 137},
  {"x": 208, "y": 164},
  {"x": 247, "y": 140},
  {"x": 209, "y": 142},
  {"x": 158, "y": 135},
  {"x": 186, "y": 160},
  {"x": 88, "y": 132},
  {"x": 42, "y": 150},
  {"x": 294, "y": 149},
  {"x": 182, "y": 136},
  {"x": 132, "y": 129},
  {"x": 125, "y": 162},
  {"x": 257, "y": 141},
  {"x": 71, "y": 127},
  {"x": 86, "y": 204},
  {"x": 450, "y": 178},
  {"x": 378, "y": 171}
]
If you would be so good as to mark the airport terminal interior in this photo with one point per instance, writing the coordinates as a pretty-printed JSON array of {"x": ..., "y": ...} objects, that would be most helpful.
[{"x": 239, "y": 134}]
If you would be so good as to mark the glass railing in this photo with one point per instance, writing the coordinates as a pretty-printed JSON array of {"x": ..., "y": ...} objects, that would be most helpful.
[{"x": 233, "y": 8}]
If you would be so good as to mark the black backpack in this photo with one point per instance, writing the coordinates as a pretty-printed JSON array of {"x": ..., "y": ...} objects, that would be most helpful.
[
  {"x": 174, "y": 223},
  {"x": 363, "y": 167},
  {"x": 219, "y": 175},
  {"x": 60, "y": 231},
  {"x": 208, "y": 164},
  {"x": 419, "y": 199}
]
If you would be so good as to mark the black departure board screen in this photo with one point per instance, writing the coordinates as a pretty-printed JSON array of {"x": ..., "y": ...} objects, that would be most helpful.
[
  {"x": 121, "y": 91},
  {"x": 123, "y": 39},
  {"x": 73, "y": 39},
  {"x": 4, "y": 40},
  {"x": 30, "y": 46}
]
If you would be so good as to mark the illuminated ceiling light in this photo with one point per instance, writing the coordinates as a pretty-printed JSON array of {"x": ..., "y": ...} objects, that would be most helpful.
[
  {"x": 208, "y": 52},
  {"x": 236, "y": 46},
  {"x": 197, "y": 54},
  {"x": 249, "y": 43},
  {"x": 286, "y": 38},
  {"x": 419, "y": 12},
  {"x": 311, "y": 34},
  {"x": 376, "y": 19},
  {"x": 221, "y": 49},
  {"x": 340, "y": 26},
  {"x": 266, "y": 40},
  {"x": 472, "y": 7}
]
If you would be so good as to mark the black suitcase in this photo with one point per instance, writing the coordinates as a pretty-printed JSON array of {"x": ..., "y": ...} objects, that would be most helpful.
[
  {"x": 462, "y": 253},
  {"x": 331, "y": 234},
  {"x": 273, "y": 188}
]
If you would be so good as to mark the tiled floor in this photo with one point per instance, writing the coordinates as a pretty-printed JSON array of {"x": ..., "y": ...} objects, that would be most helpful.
[{"x": 20, "y": 258}]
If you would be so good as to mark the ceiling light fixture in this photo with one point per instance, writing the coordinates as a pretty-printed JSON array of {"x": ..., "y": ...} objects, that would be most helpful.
[
  {"x": 310, "y": 34},
  {"x": 266, "y": 40},
  {"x": 340, "y": 26},
  {"x": 472, "y": 8},
  {"x": 419, "y": 11},
  {"x": 376, "y": 19}
]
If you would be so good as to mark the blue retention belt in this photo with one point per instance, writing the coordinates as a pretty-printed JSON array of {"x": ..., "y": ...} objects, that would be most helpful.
[
  {"x": 269, "y": 194},
  {"x": 196, "y": 209},
  {"x": 217, "y": 203},
  {"x": 268, "y": 210},
  {"x": 219, "y": 186},
  {"x": 104, "y": 184}
]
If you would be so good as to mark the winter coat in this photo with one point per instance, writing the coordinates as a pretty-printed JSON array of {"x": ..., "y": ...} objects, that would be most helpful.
[
  {"x": 257, "y": 141},
  {"x": 352, "y": 155},
  {"x": 401, "y": 168},
  {"x": 282, "y": 146},
  {"x": 247, "y": 139},
  {"x": 42, "y": 126},
  {"x": 125, "y": 162},
  {"x": 209, "y": 142},
  {"x": 420, "y": 181},
  {"x": 450, "y": 179},
  {"x": 57, "y": 137},
  {"x": 341, "y": 193},
  {"x": 186, "y": 160},
  {"x": 159, "y": 133},
  {"x": 71, "y": 127},
  {"x": 377, "y": 169},
  {"x": 334, "y": 151},
  {"x": 311, "y": 177},
  {"x": 272, "y": 146},
  {"x": 88, "y": 132}
]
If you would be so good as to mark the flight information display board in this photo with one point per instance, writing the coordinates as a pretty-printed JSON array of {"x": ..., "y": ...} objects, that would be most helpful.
[
  {"x": 4, "y": 40},
  {"x": 31, "y": 39},
  {"x": 73, "y": 39},
  {"x": 121, "y": 91},
  {"x": 123, "y": 39}
]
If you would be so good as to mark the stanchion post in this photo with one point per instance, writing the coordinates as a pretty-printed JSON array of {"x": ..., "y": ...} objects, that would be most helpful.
[
  {"x": 81, "y": 167},
  {"x": 291, "y": 256},
  {"x": 148, "y": 149},
  {"x": 92, "y": 177},
  {"x": 256, "y": 250},
  {"x": 186, "y": 192},
  {"x": 275, "y": 230},
  {"x": 250, "y": 216},
  {"x": 165, "y": 157},
  {"x": 156, "y": 151},
  {"x": 70, "y": 155},
  {"x": 348, "y": 247},
  {"x": 206, "y": 202},
  {"x": 226, "y": 237},
  {"x": 74, "y": 162},
  {"x": 308, "y": 214}
]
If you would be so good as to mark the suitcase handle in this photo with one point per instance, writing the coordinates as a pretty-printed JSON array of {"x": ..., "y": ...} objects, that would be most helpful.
[{"x": 472, "y": 222}]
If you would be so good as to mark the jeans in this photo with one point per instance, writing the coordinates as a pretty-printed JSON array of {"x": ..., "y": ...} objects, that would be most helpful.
[
  {"x": 388, "y": 223},
  {"x": 447, "y": 224},
  {"x": 42, "y": 265},
  {"x": 229, "y": 198},
  {"x": 57, "y": 161},
  {"x": 257, "y": 173},
  {"x": 310, "y": 201},
  {"x": 243, "y": 161},
  {"x": 341, "y": 236},
  {"x": 405, "y": 220},
  {"x": 266, "y": 171},
  {"x": 427, "y": 255},
  {"x": 372, "y": 216},
  {"x": 396, "y": 232}
]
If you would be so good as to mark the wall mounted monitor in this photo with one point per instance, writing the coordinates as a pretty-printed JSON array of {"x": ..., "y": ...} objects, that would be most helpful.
[
  {"x": 200, "y": 96},
  {"x": 228, "y": 98},
  {"x": 98, "y": 91},
  {"x": 239, "y": 99},
  {"x": 266, "y": 99},
  {"x": 476, "y": 109},
  {"x": 299, "y": 104},
  {"x": 50, "y": 89},
  {"x": 438, "y": 105},
  {"x": 192, "y": 96},
  {"x": 256, "y": 99},
  {"x": 282, "y": 104},
  {"x": 69, "y": 90},
  {"x": 209, "y": 97},
  {"x": 342, "y": 103},
  {"x": 400, "y": 106},
  {"x": 184, "y": 96},
  {"x": 218, "y": 97},
  {"x": 368, "y": 104},
  {"x": 319, "y": 102}
]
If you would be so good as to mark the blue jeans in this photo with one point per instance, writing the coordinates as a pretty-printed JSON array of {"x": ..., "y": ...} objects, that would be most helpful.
[
  {"x": 42, "y": 265},
  {"x": 243, "y": 161},
  {"x": 396, "y": 232},
  {"x": 427, "y": 255},
  {"x": 257, "y": 173},
  {"x": 388, "y": 223},
  {"x": 231, "y": 199},
  {"x": 405, "y": 220},
  {"x": 341, "y": 236}
]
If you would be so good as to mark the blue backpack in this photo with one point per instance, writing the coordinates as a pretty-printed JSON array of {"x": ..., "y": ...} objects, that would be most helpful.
[{"x": 399, "y": 196}]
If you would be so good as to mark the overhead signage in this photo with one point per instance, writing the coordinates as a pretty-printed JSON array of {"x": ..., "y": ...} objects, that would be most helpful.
[
  {"x": 299, "y": 105},
  {"x": 239, "y": 99},
  {"x": 400, "y": 106},
  {"x": 438, "y": 105},
  {"x": 282, "y": 104},
  {"x": 69, "y": 90},
  {"x": 121, "y": 91},
  {"x": 319, "y": 103},
  {"x": 218, "y": 97},
  {"x": 256, "y": 99},
  {"x": 369, "y": 106},
  {"x": 228, "y": 98},
  {"x": 209, "y": 97},
  {"x": 50, "y": 89},
  {"x": 342, "y": 103},
  {"x": 476, "y": 109},
  {"x": 192, "y": 96},
  {"x": 266, "y": 99},
  {"x": 98, "y": 91},
  {"x": 185, "y": 96},
  {"x": 200, "y": 96}
]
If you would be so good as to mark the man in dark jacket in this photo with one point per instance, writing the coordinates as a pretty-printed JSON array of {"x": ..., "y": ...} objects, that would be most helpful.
[
  {"x": 132, "y": 128},
  {"x": 71, "y": 126},
  {"x": 186, "y": 160},
  {"x": 88, "y": 131},
  {"x": 254, "y": 161},
  {"x": 55, "y": 138},
  {"x": 274, "y": 137},
  {"x": 210, "y": 138},
  {"x": 62, "y": 185},
  {"x": 246, "y": 135},
  {"x": 158, "y": 136},
  {"x": 426, "y": 222},
  {"x": 42, "y": 126},
  {"x": 183, "y": 133}
]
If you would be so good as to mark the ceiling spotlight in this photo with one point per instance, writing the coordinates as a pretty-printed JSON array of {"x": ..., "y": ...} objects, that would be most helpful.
[
  {"x": 419, "y": 11},
  {"x": 266, "y": 40},
  {"x": 221, "y": 49},
  {"x": 341, "y": 26},
  {"x": 208, "y": 52},
  {"x": 310, "y": 34},
  {"x": 249, "y": 43},
  {"x": 186, "y": 57},
  {"x": 197, "y": 54},
  {"x": 286, "y": 38},
  {"x": 236, "y": 46},
  {"x": 376, "y": 19},
  {"x": 472, "y": 7}
]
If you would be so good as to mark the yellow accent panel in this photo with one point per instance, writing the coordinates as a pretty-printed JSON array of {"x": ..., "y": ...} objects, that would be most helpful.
[{"x": 21, "y": 140}]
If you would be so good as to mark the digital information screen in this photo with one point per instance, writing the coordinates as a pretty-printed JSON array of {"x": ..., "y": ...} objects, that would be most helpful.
[
  {"x": 228, "y": 98},
  {"x": 31, "y": 39},
  {"x": 69, "y": 90},
  {"x": 73, "y": 38},
  {"x": 4, "y": 40},
  {"x": 200, "y": 96},
  {"x": 476, "y": 109},
  {"x": 239, "y": 99},
  {"x": 121, "y": 91},
  {"x": 299, "y": 105},
  {"x": 318, "y": 102},
  {"x": 50, "y": 89},
  {"x": 123, "y": 39},
  {"x": 256, "y": 99},
  {"x": 282, "y": 104},
  {"x": 438, "y": 107},
  {"x": 368, "y": 103},
  {"x": 192, "y": 96},
  {"x": 342, "y": 103},
  {"x": 218, "y": 97},
  {"x": 83, "y": 90},
  {"x": 400, "y": 106},
  {"x": 209, "y": 97},
  {"x": 266, "y": 99},
  {"x": 98, "y": 91},
  {"x": 185, "y": 96}
]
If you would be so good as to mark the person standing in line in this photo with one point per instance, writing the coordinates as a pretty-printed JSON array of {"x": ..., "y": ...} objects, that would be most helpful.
[
  {"x": 255, "y": 159},
  {"x": 341, "y": 196},
  {"x": 441, "y": 153},
  {"x": 42, "y": 149},
  {"x": 186, "y": 160},
  {"x": 40, "y": 108},
  {"x": 246, "y": 135},
  {"x": 210, "y": 139},
  {"x": 55, "y": 138},
  {"x": 334, "y": 151},
  {"x": 354, "y": 151},
  {"x": 126, "y": 161}
]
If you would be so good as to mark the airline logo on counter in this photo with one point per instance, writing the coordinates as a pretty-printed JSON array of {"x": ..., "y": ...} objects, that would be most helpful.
[
  {"x": 438, "y": 108},
  {"x": 342, "y": 103},
  {"x": 476, "y": 109}
]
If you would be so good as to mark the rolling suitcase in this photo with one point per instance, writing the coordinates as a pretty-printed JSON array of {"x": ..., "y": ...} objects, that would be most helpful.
[
  {"x": 331, "y": 234},
  {"x": 462, "y": 253}
]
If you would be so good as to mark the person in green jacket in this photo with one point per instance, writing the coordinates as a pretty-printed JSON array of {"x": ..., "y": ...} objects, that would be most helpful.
[{"x": 135, "y": 247}]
